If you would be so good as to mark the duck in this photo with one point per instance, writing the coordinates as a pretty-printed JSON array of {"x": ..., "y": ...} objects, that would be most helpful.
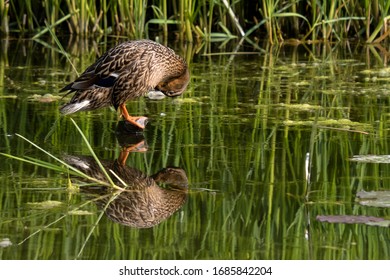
[
  {"x": 146, "y": 200},
  {"x": 125, "y": 72}
]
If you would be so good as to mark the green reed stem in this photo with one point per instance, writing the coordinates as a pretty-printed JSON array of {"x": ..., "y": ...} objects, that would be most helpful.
[
  {"x": 108, "y": 177},
  {"x": 202, "y": 19}
]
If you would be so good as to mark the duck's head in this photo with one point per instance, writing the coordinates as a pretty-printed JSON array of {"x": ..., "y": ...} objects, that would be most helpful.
[{"x": 174, "y": 86}]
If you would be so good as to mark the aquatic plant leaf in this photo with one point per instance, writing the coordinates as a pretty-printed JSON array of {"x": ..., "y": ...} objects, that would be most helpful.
[
  {"x": 302, "y": 83},
  {"x": 45, "y": 98},
  {"x": 5, "y": 242},
  {"x": 187, "y": 100},
  {"x": 219, "y": 35},
  {"x": 371, "y": 158},
  {"x": 352, "y": 219},
  {"x": 384, "y": 223},
  {"x": 384, "y": 72},
  {"x": 112, "y": 184},
  {"x": 80, "y": 212},
  {"x": 9, "y": 96},
  {"x": 340, "y": 124},
  {"x": 301, "y": 107},
  {"x": 70, "y": 168},
  {"x": 48, "y": 204},
  {"x": 374, "y": 198}
]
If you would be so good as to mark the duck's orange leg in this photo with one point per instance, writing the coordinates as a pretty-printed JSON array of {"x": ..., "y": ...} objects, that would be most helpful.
[
  {"x": 139, "y": 147},
  {"x": 137, "y": 121}
]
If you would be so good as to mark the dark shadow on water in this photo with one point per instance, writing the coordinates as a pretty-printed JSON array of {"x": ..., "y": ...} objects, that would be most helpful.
[
  {"x": 129, "y": 135},
  {"x": 145, "y": 201}
]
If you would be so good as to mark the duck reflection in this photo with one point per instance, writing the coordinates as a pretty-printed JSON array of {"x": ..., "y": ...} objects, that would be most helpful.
[{"x": 146, "y": 200}]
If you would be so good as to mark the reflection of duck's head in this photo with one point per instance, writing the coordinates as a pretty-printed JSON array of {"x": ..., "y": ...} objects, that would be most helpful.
[
  {"x": 174, "y": 177},
  {"x": 143, "y": 203}
]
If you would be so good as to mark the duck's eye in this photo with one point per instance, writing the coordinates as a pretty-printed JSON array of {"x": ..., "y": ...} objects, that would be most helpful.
[
  {"x": 178, "y": 86},
  {"x": 162, "y": 86}
]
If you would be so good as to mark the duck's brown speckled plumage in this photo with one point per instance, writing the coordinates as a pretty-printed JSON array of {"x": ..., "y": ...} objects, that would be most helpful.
[
  {"x": 144, "y": 203},
  {"x": 126, "y": 72}
]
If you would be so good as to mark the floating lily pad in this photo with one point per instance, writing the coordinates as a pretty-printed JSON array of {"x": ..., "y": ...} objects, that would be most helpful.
[
  {"x": 48, "y": 204},
  {"x": 352, "y": 219},
  {"x": 374, "y": 198}
]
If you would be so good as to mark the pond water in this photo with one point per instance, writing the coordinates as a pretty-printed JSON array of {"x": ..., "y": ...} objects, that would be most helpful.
[{"x": 271, "y": 153}]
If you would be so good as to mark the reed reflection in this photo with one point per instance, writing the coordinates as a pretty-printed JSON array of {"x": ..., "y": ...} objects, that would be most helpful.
[{"x": 146, "y": 200}]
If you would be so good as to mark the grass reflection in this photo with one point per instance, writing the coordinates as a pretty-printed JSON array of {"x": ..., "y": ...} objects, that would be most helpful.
[{"x": 242, "y": 133}]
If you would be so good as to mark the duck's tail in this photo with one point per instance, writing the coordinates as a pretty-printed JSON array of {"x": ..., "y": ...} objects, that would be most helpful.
[{"x": 90, "y": 99}]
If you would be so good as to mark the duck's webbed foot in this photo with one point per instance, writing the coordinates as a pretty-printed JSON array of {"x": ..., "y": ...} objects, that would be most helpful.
[{"x": 139, "y": 122}]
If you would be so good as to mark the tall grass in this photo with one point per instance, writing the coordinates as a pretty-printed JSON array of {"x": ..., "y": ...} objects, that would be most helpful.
[{"x": 194, "y": 20}]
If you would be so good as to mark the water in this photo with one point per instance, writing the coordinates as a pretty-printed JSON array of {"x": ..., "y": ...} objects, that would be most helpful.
[{"x": 265, "y": 139}]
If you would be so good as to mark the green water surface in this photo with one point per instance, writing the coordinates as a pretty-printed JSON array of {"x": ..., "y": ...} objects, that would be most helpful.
[{"x": 265, "y": 136}]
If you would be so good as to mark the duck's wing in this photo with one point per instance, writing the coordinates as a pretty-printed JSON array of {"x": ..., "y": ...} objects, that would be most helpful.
[
  {"x": 105, "y": 71},
  {"x": 86, "y": 80}
]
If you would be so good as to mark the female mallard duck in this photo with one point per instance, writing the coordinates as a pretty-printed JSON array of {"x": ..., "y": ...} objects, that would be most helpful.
[
  {"x": 144, "y": 203},
  {"x": 127, "y": 71}
]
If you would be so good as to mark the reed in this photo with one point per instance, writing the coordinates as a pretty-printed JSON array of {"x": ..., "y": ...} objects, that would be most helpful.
[
  {"x": 202, "y": 20},
  {"x": 63, "y": 166},
  {"x": 4, "y": 24}
]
